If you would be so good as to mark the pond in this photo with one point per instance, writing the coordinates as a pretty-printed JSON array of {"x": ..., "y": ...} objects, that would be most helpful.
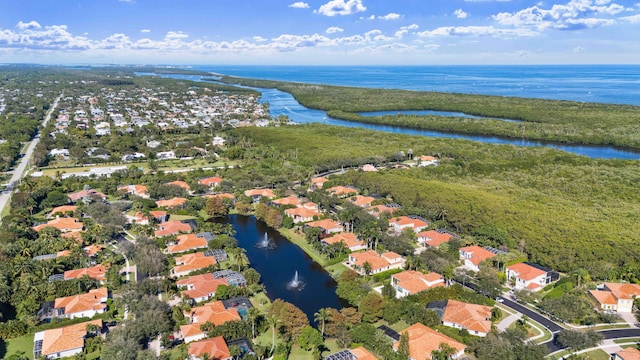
[{"x": 279, "y": 261}]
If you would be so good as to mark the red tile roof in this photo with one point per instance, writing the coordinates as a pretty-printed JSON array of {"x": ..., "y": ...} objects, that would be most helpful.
[
  {"x": 95, "y": 272},
  {"x": 175, "y": 202},
  {"x": 210, "y": 181},
  {"x": 63, "y": 209},
  {"x": 289, "y": 200},
  {"x": 423, "y": 340},
  {"x": 525, "y": 271},
  {"x": 478, "y": 254},
  {"x": 326, "y": 225},
  {"x": 93, "y": 300},
  {"x": 268, "y": 193},
  {"x": 200, "y": 285},
  {"x": 405, "y": 220},
  {"x": 171, "y": 228},
  {"x": 434, "y": 238},
  {"x": 215, "y": 347},
  {"x": 66, "y": 338},
  {"x": 85, "y": 193},
  {"x": 414, "y": 281},
  {"x": 469, "y": 316},
  {"x": 62, "y": 224},
  {"x": 214, "y": 313},
  {"x": 348, "y": 239},
  {"x": 179, "y": 183},
  {"x": 629, "y": 354},
  {"x": 187, "y": 242},
  {"x": 192, "y": 262}
]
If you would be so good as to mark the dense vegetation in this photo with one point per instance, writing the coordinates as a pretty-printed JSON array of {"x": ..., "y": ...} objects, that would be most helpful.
[
  {"x": 565, "y": 211},
  {"x": 550, "y": 120}
]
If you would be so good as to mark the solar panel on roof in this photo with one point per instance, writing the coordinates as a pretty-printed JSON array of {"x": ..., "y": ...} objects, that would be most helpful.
[
  {"x": 341, "y": 355},
  {"x": 390, "y": 332}
]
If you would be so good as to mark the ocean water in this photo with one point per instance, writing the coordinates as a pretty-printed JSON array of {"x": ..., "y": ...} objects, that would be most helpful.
[{"x": 614, "y": 84}]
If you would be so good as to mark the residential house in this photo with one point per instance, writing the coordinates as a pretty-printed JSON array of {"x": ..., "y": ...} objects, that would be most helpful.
[
  {"x": 160, "y": 215},
  {"x": 189, "y": 242},
  {"x": 318, "y": 182},
  {"x": 60, "y": 153},
  {"x": 476, "y": 319},
  {"x": 377, "y": 262},
  {"x": 214, "y": 313},
  {"x": 83, "y": 305},
  {"x": 532, "y": 277},
  {"x": 214, "y": 348},
  {"x": 350, "y": 241},
  {"x": 328, "y": 226},
  {"x": 342, "y": 191},
  {"x": 64, "y": 210},
  {"x": 287, "y": 201},
  {"x": 616, "y": 297},
  {"x": 411, "y": 282},
  {"x": 629, "y": 353},
  {"x": 180, "y": 184},
  {"x": 188, "y": 263},
  {"x": 473, "y": 256},
  {"x": 138, "y": 190},
  {"x": 172, "y": 203},
  {"x": 415, "y": 223},
  {"x": 84, "y": 195},
  {"x": 433, "y": 238},
  {"x": 172, "y": 227},
  {"x": 210, "y": 181},
  {"x": 378, "y": 210},
  {"x": 200, "y": 287},
  {"x": 423, "y": 341},
  {"x": 218, "y": 141},
  {"x": 369, "y": 168},
  {"x": 97, "y": 272},
  {"x": 359, "y": 353},
  {"x": 165, "y": 155},
  {"x": 362, "y": 201},
  {"x": 301, "y": 214},
  {"x": 426, "y": 160},
  {"x": 62, "y": 342},
  {"x": 137, "y": 218},
  {"x": 62, "y": 224},
  {"x": 256, "y": 194}
]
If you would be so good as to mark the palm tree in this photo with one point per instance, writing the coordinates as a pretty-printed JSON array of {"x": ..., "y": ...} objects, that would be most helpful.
[
  {"x": 320, "y": 317},
  {"x": 274, "y": 322},
  {"x": 239, "y": 256}
]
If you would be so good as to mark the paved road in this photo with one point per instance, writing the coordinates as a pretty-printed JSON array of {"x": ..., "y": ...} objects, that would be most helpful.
[
  {"x": 19, "y": 170},
  {"x": 552, "y": 346},
  {"x": 552, "y": 326}
]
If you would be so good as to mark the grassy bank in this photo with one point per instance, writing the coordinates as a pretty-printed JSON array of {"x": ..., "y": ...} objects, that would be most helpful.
[
  {"x": 549, "y": 120},
  {"x": 301, "y": 242}
]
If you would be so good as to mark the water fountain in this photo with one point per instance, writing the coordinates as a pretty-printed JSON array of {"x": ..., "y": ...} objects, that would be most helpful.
[
  {"x": 265, "y": 243},
  {"x": 295, "y": 283}
]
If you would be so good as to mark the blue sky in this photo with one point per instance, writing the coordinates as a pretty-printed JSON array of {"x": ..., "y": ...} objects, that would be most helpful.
[{"x": 320, "y": 32}]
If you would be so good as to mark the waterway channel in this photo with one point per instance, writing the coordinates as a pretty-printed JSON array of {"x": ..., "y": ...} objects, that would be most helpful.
[
  {"x": 278, "y": 264},
  {"x": 283, "y": 103}
]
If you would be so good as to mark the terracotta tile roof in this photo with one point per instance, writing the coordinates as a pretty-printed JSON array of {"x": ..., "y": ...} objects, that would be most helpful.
[
  {"x": 268, "y": 193},
  {"x": 62, "y": 224},
  {"x": 301, "y": 212},
  {"x": 604, "y": 297},
  {"x": 319, "y": 180},
  {"x": 434, "y": 238},
  {"x": 210, "y": 181},
  {"x": 215, "y": 347},
  {"x": 533, "y": 286},
  {"x": 289, "y": 200},
  {"x": 179, "y": 183},
  {"x": 200, "y": 285},
  {"x": 405, "y": 220},
  {"x": 192, "y": 262},
  {"x": 93, "y": 300},
  {"x": 362, "y": 354},
  {"x": 93, "y": 250},
  {"x": 63, "y": 253},
  {"x": 84, "y": 193},
  {"x": 175, "y": 202},
  {"x": 414, "y": 281},
  {"x": 623, "y": 291},
  {"x": 214, "y": 313},
  {"x": 187, "y": 242},
  {"x": 427, "y": 158},
  {"x": 374, "y": 259},
  {"x": 362, "y": 201},
  {"x": 63, "y": 209},
  {"x": 171, "y": 228},
  {"x": 158, "y": 213},
  {"x": 629, "y": 354},
  {"x": 368, "y": 167},
  {"x": 469, "y": 316},
  {"x": 75, "y": 235},
  {"x": 526, "y": 272},
  {"x": 423, "y": 340},
  {"x": 341, "y": 190},
  {"x": 65, "y": 338},
  {"x": 134, "y": 189},
  {"x": 310, "y": 205},
  {"x": 95, "y": 272},
  {"x": 381, "y": 209},
  {"x": 326, "y": 224},
  {"x": 349, "y": 240},
  {"x": 478, "y": 254}
]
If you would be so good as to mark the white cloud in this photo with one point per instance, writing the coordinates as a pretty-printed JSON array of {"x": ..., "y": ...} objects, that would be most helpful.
[
  {"x": 634, "y": 19},
  {"x": 460, "y": 14},
  {"x": 432, "y": 47},
  {"x": 145, "y": 31},
  {"x": 341, "y": 7},
  {"x": 578, "y": 49},
  {"x": 372, "y": 17},
  {"x": 401, "y": 33},
  {"x": 412, "y": 26},
  {"x": 175, "y": 35},
  {"x": 30, "y": 25},
  {"x": 390, "y": 16},
  {"x": 334, "y": 29},
  {"x": 259, "y": 39},
  {"x": 299, "y": 5},
  {"x": 476, "y": 31},
  {"x": 576, "y": 14}
]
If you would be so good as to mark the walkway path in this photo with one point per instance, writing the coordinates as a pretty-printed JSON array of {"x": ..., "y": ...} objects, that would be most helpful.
[
  {"x": 19, "y": 171},
  {"x": 506, "y": 322}
]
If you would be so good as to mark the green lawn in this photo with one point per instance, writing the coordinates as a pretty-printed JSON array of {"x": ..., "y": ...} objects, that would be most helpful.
[
  {"x": 181, "y": 217},
  {"x": 19, "y": 346},
  {"x": 627, "y": 340},
  {"x": 299, "y": 240},
  {"x": 298, "y": 353},
  {"x": 261, "y": 302},
  {"x": 597, "y": 354}
]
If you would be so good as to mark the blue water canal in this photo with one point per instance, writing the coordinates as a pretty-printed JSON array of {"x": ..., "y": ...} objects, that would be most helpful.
[
  {"x": 278, "y": 264},
  {"x": 282, "y": 103}
]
